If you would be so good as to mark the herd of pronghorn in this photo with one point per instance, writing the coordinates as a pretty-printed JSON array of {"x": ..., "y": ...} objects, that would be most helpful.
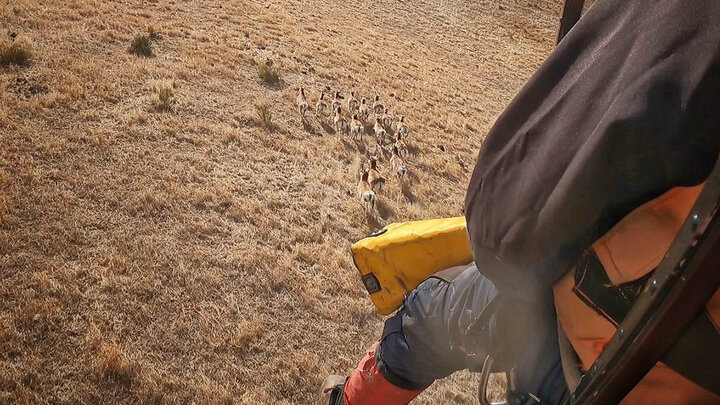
[{"x": 352, "y": 120}]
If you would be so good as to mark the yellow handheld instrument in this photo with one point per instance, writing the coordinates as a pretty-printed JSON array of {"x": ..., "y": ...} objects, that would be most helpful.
[{"x": 394, "y": 260}]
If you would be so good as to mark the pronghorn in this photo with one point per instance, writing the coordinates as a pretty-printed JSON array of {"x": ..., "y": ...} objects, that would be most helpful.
[
  {"x": 377, "y": 105},
  {"x": 398, "y": 164},
  {"x": 380, "y": 132},
  {"x": 387, "y": 118},
  {"x": 321, "y": 105},
  {"x": 373, "y": 152},
  {"x": 365, "y": 192},
  {"x": 364, "y": 110},
  {"x": 302, "y": 103},
  {"x": 336, "y": 103},
  {"x": 357, "y": 128},
  {"x": 352, "y": 103},
  {"x": 402, "y": 126},
  {"x": 401, "y": 147},
  {"x": 340, "y": 122},
  {"x": 376, "y": 180}
]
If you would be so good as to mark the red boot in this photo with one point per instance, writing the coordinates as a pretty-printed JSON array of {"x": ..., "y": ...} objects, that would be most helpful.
[{"x": 365, "y": 386}]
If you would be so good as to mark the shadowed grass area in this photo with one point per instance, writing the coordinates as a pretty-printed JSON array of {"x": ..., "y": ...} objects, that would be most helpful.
[{"x": 14, "y": 54}]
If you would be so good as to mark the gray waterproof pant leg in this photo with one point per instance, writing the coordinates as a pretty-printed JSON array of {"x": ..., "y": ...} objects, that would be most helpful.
[{"x": 428, "y": 338}]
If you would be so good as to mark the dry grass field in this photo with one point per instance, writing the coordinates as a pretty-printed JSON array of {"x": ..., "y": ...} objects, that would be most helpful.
[{"x": 160, "y": 244}]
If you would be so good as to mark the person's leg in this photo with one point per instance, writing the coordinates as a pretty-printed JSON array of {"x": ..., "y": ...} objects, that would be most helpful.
[
  {"x": 449, "y": 325},
  {"x": 535, "y": 373},
  {"x": 425, "y": 340},
  {"x": 369, "y": 382}
]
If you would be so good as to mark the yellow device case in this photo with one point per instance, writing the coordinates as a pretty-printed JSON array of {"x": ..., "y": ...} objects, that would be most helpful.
[{"x": 393, "y": 261}]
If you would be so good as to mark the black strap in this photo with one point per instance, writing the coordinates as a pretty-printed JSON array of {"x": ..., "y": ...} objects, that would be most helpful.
[
  {"x": 336, "y": 395},
  {"x": 571, "y": 14},
  {"x": 695, "y": 355},
  {"x": 595, "y": 289}
]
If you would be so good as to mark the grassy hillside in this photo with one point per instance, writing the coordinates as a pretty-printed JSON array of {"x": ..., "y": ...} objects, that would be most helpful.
[{"x": 160, "y": 245}]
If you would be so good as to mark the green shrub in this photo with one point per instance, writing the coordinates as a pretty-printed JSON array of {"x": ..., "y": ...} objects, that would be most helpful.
[
  {"x": 164, "y": 98},
  {"x": 264, "y": 116},
  {"x": 269, "y": 74},
  {"x": 141, "y": 45},
  {"x": 14, "y": 54}
]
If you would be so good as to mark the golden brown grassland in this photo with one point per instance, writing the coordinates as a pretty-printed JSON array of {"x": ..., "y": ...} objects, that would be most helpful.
[{"x": 159, "y": 246}]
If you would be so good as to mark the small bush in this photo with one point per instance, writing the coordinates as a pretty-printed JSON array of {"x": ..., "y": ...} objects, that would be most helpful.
[
  {"x": 269, "y": 74},
  {"x": 153, "y": 35},
  {"x": 141, "y": 45},
  {"x": 164, "y": 98},
  {"x": 264, "y": 116},
  {"x": 114, "y": 365},
  {"x": 16, "y": 53}
]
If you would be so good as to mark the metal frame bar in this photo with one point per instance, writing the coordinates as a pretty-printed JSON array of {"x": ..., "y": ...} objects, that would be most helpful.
[{"x": 482, "y": 386}]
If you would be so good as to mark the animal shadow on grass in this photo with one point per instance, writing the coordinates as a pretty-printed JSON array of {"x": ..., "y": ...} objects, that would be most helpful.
[
  {"x": 413, "y": 149},
  {"x": 369, "y": 129},
  {"x": 383, "y": 209},
  {"x": 327, "y": 127},
  {"x": 352, "y": 145},
  {"x": 309, "y": 128},
  {"x": 359, "y": 146},
  {"x": 373, "y": 221},
  {"x": 407, "y": 189}
]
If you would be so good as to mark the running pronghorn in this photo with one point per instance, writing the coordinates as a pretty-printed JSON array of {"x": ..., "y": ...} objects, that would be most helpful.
[
  {"x": 352, "y": 103},
  {"x": 398, "y": 164},
  {"x": 364, "y": 110},
  {"x": 336, "y": 103},
  {"x": 357, "y": 128},
  {"x": 365, "y": 192},
  {"x": 387, "y": 118},
  {"x": 321, "y": 105},
  {"x": 377, "y": 105},
  {"x": 402, "y": 126},
  {"x": 380, "y": 132},
  {"x": 376, "y": 180},
  {"x": 373, "y": 152},
  {"x": 341, "y": 124},
  {"x": 401, "y": 147},
  {"x": 302, "y": 103}
]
